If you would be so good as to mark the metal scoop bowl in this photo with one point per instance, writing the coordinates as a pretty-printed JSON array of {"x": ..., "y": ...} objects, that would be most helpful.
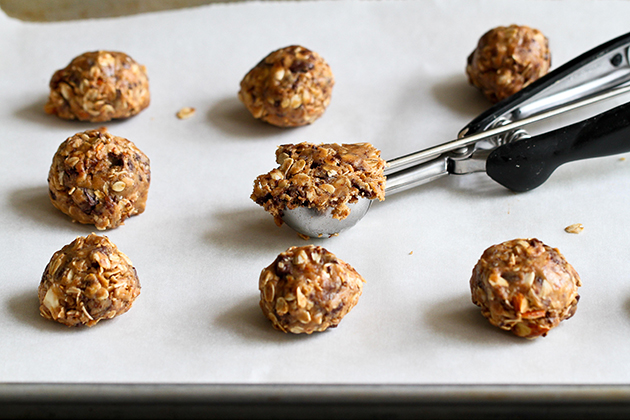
[{"x": 319, "y": 224}]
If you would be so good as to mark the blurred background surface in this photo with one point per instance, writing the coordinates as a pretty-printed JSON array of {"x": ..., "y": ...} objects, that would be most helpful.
[{"x": 61, "y": 10}]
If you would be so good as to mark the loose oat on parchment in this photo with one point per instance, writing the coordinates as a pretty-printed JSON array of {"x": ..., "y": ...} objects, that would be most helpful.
[
  {"x": 99, "y": 86},
  {"x": 87, "y": 281},
  {"x": 290, "y": 87},
  {"x": 185, "y": 113},
  {"x": 525, "y": 287},
  {"x": 308, "y": 289},
  {"x": 98, "y": 178},
  {"x": 574, "y": 228},
  {"x": 321, "y": 176},
  {"x": 507, "y": 59}
]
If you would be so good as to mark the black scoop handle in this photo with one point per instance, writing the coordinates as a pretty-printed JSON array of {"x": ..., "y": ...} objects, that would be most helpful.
[{"x": 526, "y": 164}]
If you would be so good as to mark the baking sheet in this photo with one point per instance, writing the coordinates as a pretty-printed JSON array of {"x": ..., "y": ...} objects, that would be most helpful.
[{"x": 201, "y": 243}]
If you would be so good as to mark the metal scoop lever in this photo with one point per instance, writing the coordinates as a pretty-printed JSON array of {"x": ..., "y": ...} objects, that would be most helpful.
[
  {"x": 526, "y": 164},
  {"x": 465, "y": 152}
]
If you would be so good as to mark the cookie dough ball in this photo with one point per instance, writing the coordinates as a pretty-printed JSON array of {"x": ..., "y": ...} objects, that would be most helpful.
[
  {"x": 99, "y": 86},
  {"x": 324, "y": 176},
  {"x": 507, "y": 59},
  {"x": 290, "y": 87},
  {"x": 98, "y": 178},
  {"x": 86, "y": 281},
  {"x": 525, "y": 286},
  {"x": 308, "y": 289}
]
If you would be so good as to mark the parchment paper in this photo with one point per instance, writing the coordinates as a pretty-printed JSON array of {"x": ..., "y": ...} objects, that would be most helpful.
[{"x": 202, "y": 242}]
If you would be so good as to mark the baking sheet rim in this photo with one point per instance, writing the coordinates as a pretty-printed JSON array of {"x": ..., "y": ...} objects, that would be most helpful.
[{"x": 348, "y": 393}]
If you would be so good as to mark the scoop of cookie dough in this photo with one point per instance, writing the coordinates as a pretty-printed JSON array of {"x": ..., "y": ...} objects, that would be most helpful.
[
  {"x": 99, "y": 86},
  {"x": 98, "y": 178},
  {"x": 507, "y": 59},
  {"x": 290, "y": 87},
  {"x": 321, "y": 177},
  {"x": 308, "y": 289},
  {"x": 87, "y": 281},
  {"x": 525, "y": 286}
]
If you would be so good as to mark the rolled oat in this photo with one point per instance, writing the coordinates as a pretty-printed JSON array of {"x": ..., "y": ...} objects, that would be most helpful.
[
  {"x": 185, "y": 113},
  {"x": 574, "y": 228}
]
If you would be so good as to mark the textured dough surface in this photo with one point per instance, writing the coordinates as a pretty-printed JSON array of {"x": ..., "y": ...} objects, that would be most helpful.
[
  {"x": 290, "y": 87},
  {"x": 325, "y": 176},
  {"x": 99, "y": 86},
  {"x": 507, "y": 59},
  {"x": 98, "y": 178},
  {"x": 87, "y": 281},
  {"x": 308, "y": 289},
  {"x": 525, "y": 286}
]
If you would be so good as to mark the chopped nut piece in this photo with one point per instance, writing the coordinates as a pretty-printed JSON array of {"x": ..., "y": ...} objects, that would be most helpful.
[
  {"x": 185, "y": 113},
  {"x": 99, "y": 86},
  {"x": 311, "y": 295},
  {"x": 86, "y": 281},
  {"x": 507, "y": 59},
  {"x": 290, "y": 87},
  {"x": 574, "y": 228},
  {"x": 321, "y": 176},
  {"x": 525, "y": 286},
  {"x": 98, "y": 178}
]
